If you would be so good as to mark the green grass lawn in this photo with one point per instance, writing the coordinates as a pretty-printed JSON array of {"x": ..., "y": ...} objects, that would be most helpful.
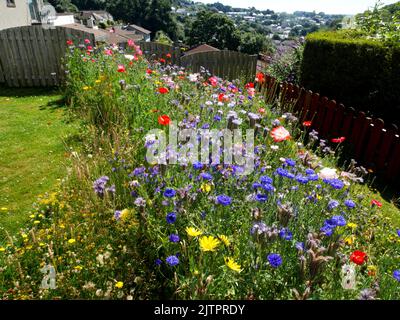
[{"x": 32, "y": 151}]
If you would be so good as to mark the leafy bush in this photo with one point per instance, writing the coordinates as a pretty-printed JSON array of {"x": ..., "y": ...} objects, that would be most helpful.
[
  {"x": 285, "y": 66},
  {"x": 361, "y": 73}
]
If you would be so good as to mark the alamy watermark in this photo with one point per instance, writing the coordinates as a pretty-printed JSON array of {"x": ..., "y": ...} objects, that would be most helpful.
[{"x": 206, "y": 146}]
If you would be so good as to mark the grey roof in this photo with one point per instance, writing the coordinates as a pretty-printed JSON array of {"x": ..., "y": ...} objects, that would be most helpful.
[{"x": 138, "y": 28}]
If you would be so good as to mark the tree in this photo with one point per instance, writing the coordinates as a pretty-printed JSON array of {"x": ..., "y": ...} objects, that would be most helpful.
[
  {"x": 154, "y": 15},
  {"x": 214, "y": 29},
  {"x": 251, "y": 43},
  {"x": 63, "y": 5}
]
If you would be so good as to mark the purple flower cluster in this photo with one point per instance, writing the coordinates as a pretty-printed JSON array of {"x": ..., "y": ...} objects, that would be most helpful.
[
  {"x": 99, "y": 186},
  {"x": 330, "y": 225}
]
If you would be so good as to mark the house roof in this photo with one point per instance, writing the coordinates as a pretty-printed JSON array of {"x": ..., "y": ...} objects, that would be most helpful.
[
  {"x": 201, "y": 48},
  {"x": 106, "y": 36},
  {"x": 138, "y": 28},
  {"x": 86, "y": 14}
]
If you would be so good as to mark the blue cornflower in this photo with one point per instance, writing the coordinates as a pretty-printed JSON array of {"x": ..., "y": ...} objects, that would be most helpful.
[
  {"x": 169, "y": 193},
  {"x": 224, "y": 200},
  {"x": 290, "y": 175},
  {"x": 171, "y": 217},
  {"x": 172, "y": 260},
  {"x": 286, "y": 234},
  {"x": 158, "y": 262},
  {"x": 257, "y": 185},
  {"x": 274, "y": 260},
  {"x": 99, "y": 185},
  {"x": 349, "y": 204},
  {"x": 217, "y": 117},
  {"x": 206, "y": 176},
  {"x": 261, "y": 197},
  {"x": 327, "y": 229},
  {"x": 290, "y": 162},
  {"x": 174, "y": 238},
  {"x": 282, "y": 172},
  {"x": 138, "y": 171},
  {"x": 333, "y": 204},
  {"x": 268, "y": 187},
  {"x": 197, "y": 165},
  {"x": 396, "y": 275},
  {"x": 266, "y": 180},
  {"x": 302, "y": 179},
  {"x": 338, "y": 221},
  {"x": 334, "y": 183},
  {"x": 310, "y": 171},
  {"x": 117, "y": 214},
  {"x": 398, "y": 232},
  {"x": 313, "y": 177},
  {"x": 205, "y": 126}
]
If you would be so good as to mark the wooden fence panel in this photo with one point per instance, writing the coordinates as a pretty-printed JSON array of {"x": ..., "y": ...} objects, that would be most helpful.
[
  {"x": 388, "y": 138},
  {"x": 374, "y": 136},
  {"x": 225, "y": 64},
  {"x": 32, "y": 56}
]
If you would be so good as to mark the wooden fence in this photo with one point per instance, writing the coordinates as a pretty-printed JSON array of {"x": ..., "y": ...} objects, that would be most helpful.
[
  {"x": 154, "y": 50},
  {"x": 31, "y": 56},
  {"x": 225, "y": 64},
  {"x": 374, "y": 144}
]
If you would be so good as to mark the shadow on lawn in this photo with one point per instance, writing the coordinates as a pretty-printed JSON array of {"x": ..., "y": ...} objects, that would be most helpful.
[{"x": 27, "y": 92}]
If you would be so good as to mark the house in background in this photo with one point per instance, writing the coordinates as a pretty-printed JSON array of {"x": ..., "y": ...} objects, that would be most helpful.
[
  {"x": 18, "y": 13},
  {"x": 201, "y": 48},
  {"x": 138, "y": 31},
  {"x": 93, "y": 18}
]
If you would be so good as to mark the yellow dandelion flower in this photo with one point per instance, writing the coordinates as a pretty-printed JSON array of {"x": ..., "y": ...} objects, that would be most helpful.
[
  {"x": 232, "y": 264},
  {"x": 4, "y": 209},
  {"x": 85, "y": 88},
  {"x": 124, "y": 214},
  {"x": 352, "y": 225},
  {"x": 224, "y": 239},
  {"x": 349, "y": 240},
  {"x": 193, "y": 232},
  {"x": 208, "y": 243},
  {"x": 205, "y": 187},
  {"x": 119, "y": 284},
  {"x": 196, "y": 272},
  {"x": 2, "y": 249},
  {"x": 36, "y": 222},
  {"x": 32, "y": 216},
  {"x": 78, "y": 268},
  {"x": 98, "y": 81},
  {"x": 71, "y": 241}
]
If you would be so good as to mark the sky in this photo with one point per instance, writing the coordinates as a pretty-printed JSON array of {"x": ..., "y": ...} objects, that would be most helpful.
[{"x": 327, "y": 6}]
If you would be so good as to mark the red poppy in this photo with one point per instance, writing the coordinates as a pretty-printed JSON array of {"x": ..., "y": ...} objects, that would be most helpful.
[
  {"x": 149, "y": 71},
  {"x": 90, "y": 48},
  {"x": 163, "y": 90},
  {"x": 260, "y": 77},
  {"x": 121, "y": 68},
  {"x": 307, "y": 123},
  {"x": 376, "y": 203},
  {"x": 222, "y": 97},
  {"x": 70, "y": 42},
  {"x": 164, "y": 120},
  {"x": 280, "y": 134},
  {"x": 162, "y": 60},
  {"x": 358, "y": 257},
  {"x": 261, "y": 110},
  {"x": 249, "y": 85},
  {"x": 338, "y": 140},
  {"x": 168, "y": 55}
]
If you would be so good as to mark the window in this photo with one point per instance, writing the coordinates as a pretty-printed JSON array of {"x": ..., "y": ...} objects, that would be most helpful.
[{"x": 11, "y": 3}]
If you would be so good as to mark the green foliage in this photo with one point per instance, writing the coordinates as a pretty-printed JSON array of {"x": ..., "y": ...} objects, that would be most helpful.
[
  {"x": 380, "y": 23},
  {"x": 359, "y": 72},
  {"x": 162, "y": 37},
  {"x": 63, "y": 5},
  {"x": 251, "y": 43},
  {"x": 286, "y": 66},
  {"x": 214, "y": 29}
]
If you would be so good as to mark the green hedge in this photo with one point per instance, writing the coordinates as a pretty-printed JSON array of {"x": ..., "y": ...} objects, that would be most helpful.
[{"x": 358, "y": 72}]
